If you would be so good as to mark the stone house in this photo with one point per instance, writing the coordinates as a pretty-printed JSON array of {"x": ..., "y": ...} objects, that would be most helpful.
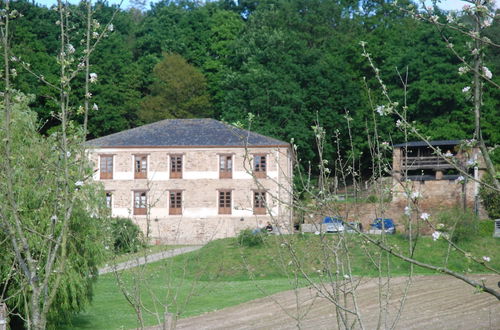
[
  {"x": 188, "y": 181},
  {"x": 435, "y": 177}
]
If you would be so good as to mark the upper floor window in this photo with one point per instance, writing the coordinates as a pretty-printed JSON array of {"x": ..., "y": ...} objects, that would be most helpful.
[
  {"x": 259, "y": 202},
  {"x": 224, "y": 201},
  {"x": 225, "y": 166},
  {"x": 140, "y": 203},
  {"x": 175, "y": 202},
  {"x": 109, "y": 199},
  {"x": 106, "y": 167},
  {"x": 140, "y": 166},
  {"x": 176, "y": 166},
  {"x": 259, "y": 166}
]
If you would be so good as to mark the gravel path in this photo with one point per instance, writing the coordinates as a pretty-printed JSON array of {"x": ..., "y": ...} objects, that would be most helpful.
[
  {"x": 434, "y": 302},
  {"x": 148, "y": 259}
]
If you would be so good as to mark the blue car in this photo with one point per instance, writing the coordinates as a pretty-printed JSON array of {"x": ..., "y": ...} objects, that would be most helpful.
[
  {"x": 334, "y": 225},
  {"x": 385, "y": 225}
]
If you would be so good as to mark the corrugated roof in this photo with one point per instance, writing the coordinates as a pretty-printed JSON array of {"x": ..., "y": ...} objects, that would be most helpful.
[
  {"x": 185, "y": 133},
  {"x": 432, "y": 143}
]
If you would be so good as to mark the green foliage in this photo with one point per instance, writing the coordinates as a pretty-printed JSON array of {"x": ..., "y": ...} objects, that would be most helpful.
[
  {"x": 490, "y": 198},
  {"x": 41, "y": 192},
  {"x": 290, "y": 63},
  {"x": 461, "y": 226},
  {"x": 179, "y": 91},
  {"x": 251, "y": 238},
  {"x": 486, "y": 228},
  {"x": 127, "y": 236}
]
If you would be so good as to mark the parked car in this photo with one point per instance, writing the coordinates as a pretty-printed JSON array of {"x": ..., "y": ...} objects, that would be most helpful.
[
  {"x": 381, "y": 225},
  {"x": 352, "y": 225},
  {"x": 334, "y": 225}
]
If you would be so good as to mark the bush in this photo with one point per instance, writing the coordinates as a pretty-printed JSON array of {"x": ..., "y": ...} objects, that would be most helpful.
[
  {"x": 127, "y": 236},
  {"x": 460, "y": 225},
  {"x": 486, "y": 228},
  {"x": 251, "y": 238},
  {"x": 490, "y": 198}
]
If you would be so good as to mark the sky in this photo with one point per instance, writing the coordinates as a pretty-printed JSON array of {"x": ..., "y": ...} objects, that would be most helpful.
[{"x": 444, "y": 4}]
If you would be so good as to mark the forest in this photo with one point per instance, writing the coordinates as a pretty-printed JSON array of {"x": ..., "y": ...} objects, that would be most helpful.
[{"x": 292, "y": 64}]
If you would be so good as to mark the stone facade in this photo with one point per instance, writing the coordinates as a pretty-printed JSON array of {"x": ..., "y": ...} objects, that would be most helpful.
[{"x": 200, "y": 219}]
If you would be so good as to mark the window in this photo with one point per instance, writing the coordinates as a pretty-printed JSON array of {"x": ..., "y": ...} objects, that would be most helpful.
[
  {"x": 106, "y": 167},
  {"x": 175, "y": 202},
  {"x": 109, "y": 200},
  {"x": 224, "y": 201},
  {"x": 225, "y": 166},
  {"x": 259, "y": 166},
  {"x": 175, "y": 166},
  {"x": 259, "y": 202},
  {"x": 140, "y": 203},
  {"x": 141, "y": 167}
]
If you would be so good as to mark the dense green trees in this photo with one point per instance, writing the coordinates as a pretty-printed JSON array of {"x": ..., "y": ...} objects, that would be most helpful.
[
  {"x": 179, "y": 91},
  {"x": 289, "y": 62}
]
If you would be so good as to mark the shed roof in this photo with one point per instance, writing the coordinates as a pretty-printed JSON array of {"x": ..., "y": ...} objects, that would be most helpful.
[
  {"x": 432, "y": 143},
  {"x": 185, "y": 133}
]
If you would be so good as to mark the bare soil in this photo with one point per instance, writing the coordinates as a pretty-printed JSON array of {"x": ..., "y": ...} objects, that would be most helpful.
[{"x": 433, "y": 302}]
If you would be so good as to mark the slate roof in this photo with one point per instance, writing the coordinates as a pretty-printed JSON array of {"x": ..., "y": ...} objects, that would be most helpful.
[
  {"x": 185, "y": 133},
  {"x": 432, "y": 143}
]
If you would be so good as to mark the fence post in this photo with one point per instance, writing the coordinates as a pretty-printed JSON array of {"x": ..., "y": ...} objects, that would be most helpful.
[{"x": 3, "y": 316}]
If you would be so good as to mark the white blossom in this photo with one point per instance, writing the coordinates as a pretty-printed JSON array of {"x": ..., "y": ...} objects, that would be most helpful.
[
  {"x": 95, "y": 107},
  {"x": 471, "y": 162},
  {"x": 88, "y": 95},
  {"x": 53, "y": 218},
  {"x": 316, "y": 233},
  {"x": 407, "y": 211},
  {"x": 487, "y": 259},
  {"x": 448, "y": 154},
  {"x": 466, "y": 89},
  {"x": 436, "y": 235},
  {"x": 93, "y": 77},
  {"x": 68, "y": 154},
  {"x": 70, "y": 48},
  {"x": 399, "y": 123},
  {"x": 434, "y": 18},
  {"x": 14, "y": 59},
  {"x": 79, "y": 183},
  {"x": 487, "y": 73},
  {"x": 111, "y": 27},
  {"x": 346, "y": 276},
  {"x": 475, "y": 51},
  {"x": 425, "y": 216},
  {"x": 463, "y": 70},
  {"x": 415, "y": 195},
  {"x": 95, "y": 35}
]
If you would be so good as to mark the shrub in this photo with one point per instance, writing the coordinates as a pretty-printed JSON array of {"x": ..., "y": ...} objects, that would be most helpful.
[
  {"x": 460, "y": 225},
  {"x": 490, "y": 198},
  {"x": 251, "y": 238},
  {"x": 127, "y": 236},
  {"x": 486, "y": 228}
]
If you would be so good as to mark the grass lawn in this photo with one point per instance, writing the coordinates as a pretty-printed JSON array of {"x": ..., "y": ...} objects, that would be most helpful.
[{"x": 223, "y": 274}]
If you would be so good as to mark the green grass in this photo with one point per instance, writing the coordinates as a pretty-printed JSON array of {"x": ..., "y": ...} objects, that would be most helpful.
[{"x": 223, "y": 274}]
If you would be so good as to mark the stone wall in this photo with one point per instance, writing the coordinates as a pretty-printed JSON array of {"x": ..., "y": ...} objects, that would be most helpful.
[{"x": 200, "y": 220}]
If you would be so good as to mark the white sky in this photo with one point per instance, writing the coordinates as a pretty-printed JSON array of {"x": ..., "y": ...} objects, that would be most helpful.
[{"x": 445, "y": 4}]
